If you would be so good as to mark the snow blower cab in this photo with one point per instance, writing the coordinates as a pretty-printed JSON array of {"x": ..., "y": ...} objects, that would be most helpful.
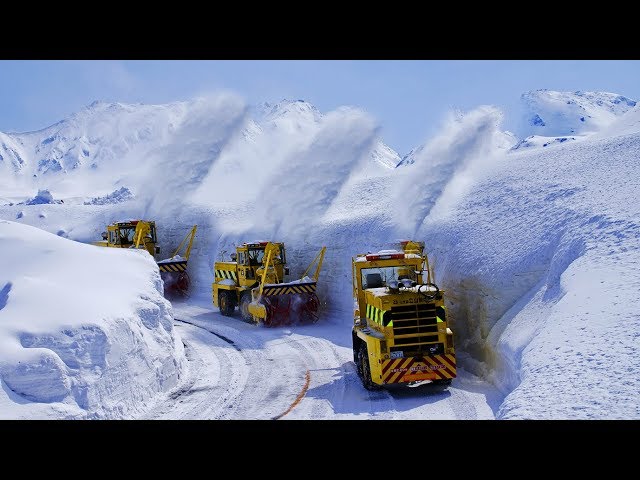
[
  {"x": 131, "y": 234},
  {"x": 254, "y": 281},
  {"x": 141, "y": 234},
  {"x": 400, "y": 333}
]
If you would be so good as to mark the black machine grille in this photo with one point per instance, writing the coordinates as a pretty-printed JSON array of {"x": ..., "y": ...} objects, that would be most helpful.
[
  {"x": 418, "y": 320},
  {"x": 414, "y": 319}
]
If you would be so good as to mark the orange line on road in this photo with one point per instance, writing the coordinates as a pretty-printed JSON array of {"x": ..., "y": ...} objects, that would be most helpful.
[{"x": 303, "y": 392}]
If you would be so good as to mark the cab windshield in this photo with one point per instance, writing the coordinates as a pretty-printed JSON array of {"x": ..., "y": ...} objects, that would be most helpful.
[
  {"x": 380, "y": 276},
  {"x": 126, "y": 235},
  {"x": 256, "y": 255}
]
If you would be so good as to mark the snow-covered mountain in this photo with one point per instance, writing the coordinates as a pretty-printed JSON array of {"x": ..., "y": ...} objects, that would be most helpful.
[
  {"x": 551, "y": 118},
  {"x": 106, "y": 147},
  {"x": 573, "y": 113},
  {"x": 291, "y": 116},
  {"x": 296, "y": 117},
  {"x": 100, "y": 136}
]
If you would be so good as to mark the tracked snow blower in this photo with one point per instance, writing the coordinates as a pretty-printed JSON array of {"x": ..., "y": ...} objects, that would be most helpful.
[
  {"x": 254, "y": 282},
  {"x": 142, "y": 234}
]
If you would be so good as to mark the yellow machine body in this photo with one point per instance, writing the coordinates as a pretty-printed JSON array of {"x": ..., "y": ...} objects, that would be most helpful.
[
  {"x": 254, "y": 281},
  {"x": 131, "y": 234},
  {"x": 400, "y": 333}
]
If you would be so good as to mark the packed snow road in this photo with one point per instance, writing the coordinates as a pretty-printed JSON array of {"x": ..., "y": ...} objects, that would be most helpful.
[{"x": 241, "y": 371}]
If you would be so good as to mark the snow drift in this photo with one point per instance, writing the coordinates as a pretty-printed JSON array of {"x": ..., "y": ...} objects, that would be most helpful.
[
  {"x": 84, "y": 330},
  {"x": 538, "y": 260}
]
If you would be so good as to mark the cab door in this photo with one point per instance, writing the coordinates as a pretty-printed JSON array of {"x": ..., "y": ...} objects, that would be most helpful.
[{"x": 245, "y": 273}]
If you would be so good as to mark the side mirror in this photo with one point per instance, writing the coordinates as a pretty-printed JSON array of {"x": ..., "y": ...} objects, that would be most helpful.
[
  {"x": 286, "y": 270},
  {"x": 234, "y": 256},
  {"x": 157, "y": 249},
  {"x": 104, "y": 235}
]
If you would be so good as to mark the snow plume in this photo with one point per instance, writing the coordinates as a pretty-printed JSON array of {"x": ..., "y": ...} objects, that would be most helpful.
[
  {"x": 196, "y": 145},
  {"x": 299, "y": 193},
  {"x": 249, "y": 160},
  {"x": 465, "y": 139}
]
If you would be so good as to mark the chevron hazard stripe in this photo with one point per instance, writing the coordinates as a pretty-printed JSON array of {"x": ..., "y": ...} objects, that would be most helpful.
[
  {"x": 230, "y": 274},
  {"x": 179, "y": 266},
  {"x": 290, "y": 288},
  {"x": 376, "y": 315},
  {"x": 411, "y": 369}
]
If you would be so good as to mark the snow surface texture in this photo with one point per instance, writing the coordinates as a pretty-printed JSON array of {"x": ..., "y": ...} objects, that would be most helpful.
[
  {"x": 536, "y": 248},
  {"x": 43, "y": 196},
  {"x": 118, "y": 196},
  {"x": 86, "y": 342}
]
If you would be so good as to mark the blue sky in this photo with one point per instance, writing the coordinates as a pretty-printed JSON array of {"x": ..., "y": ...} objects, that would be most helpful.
[{"x": 409, "y": 98}]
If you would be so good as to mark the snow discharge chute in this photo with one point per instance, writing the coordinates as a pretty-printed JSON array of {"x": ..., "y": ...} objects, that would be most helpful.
[{"x": 173, "y": 270}]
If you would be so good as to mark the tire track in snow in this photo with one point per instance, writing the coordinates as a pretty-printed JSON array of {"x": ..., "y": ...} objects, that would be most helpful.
[
  {"x": 218, "y": 374},
  {"x": 378, "y": 401},
  {"x": 274, "y": 380},
  {"x": 232, "y": 381},
  {"x": 308, "y": 349},
  {"x": 253, "y": 381},
  {"x": 274, "y": 361},
  {"x": 463, "y": 408}
]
